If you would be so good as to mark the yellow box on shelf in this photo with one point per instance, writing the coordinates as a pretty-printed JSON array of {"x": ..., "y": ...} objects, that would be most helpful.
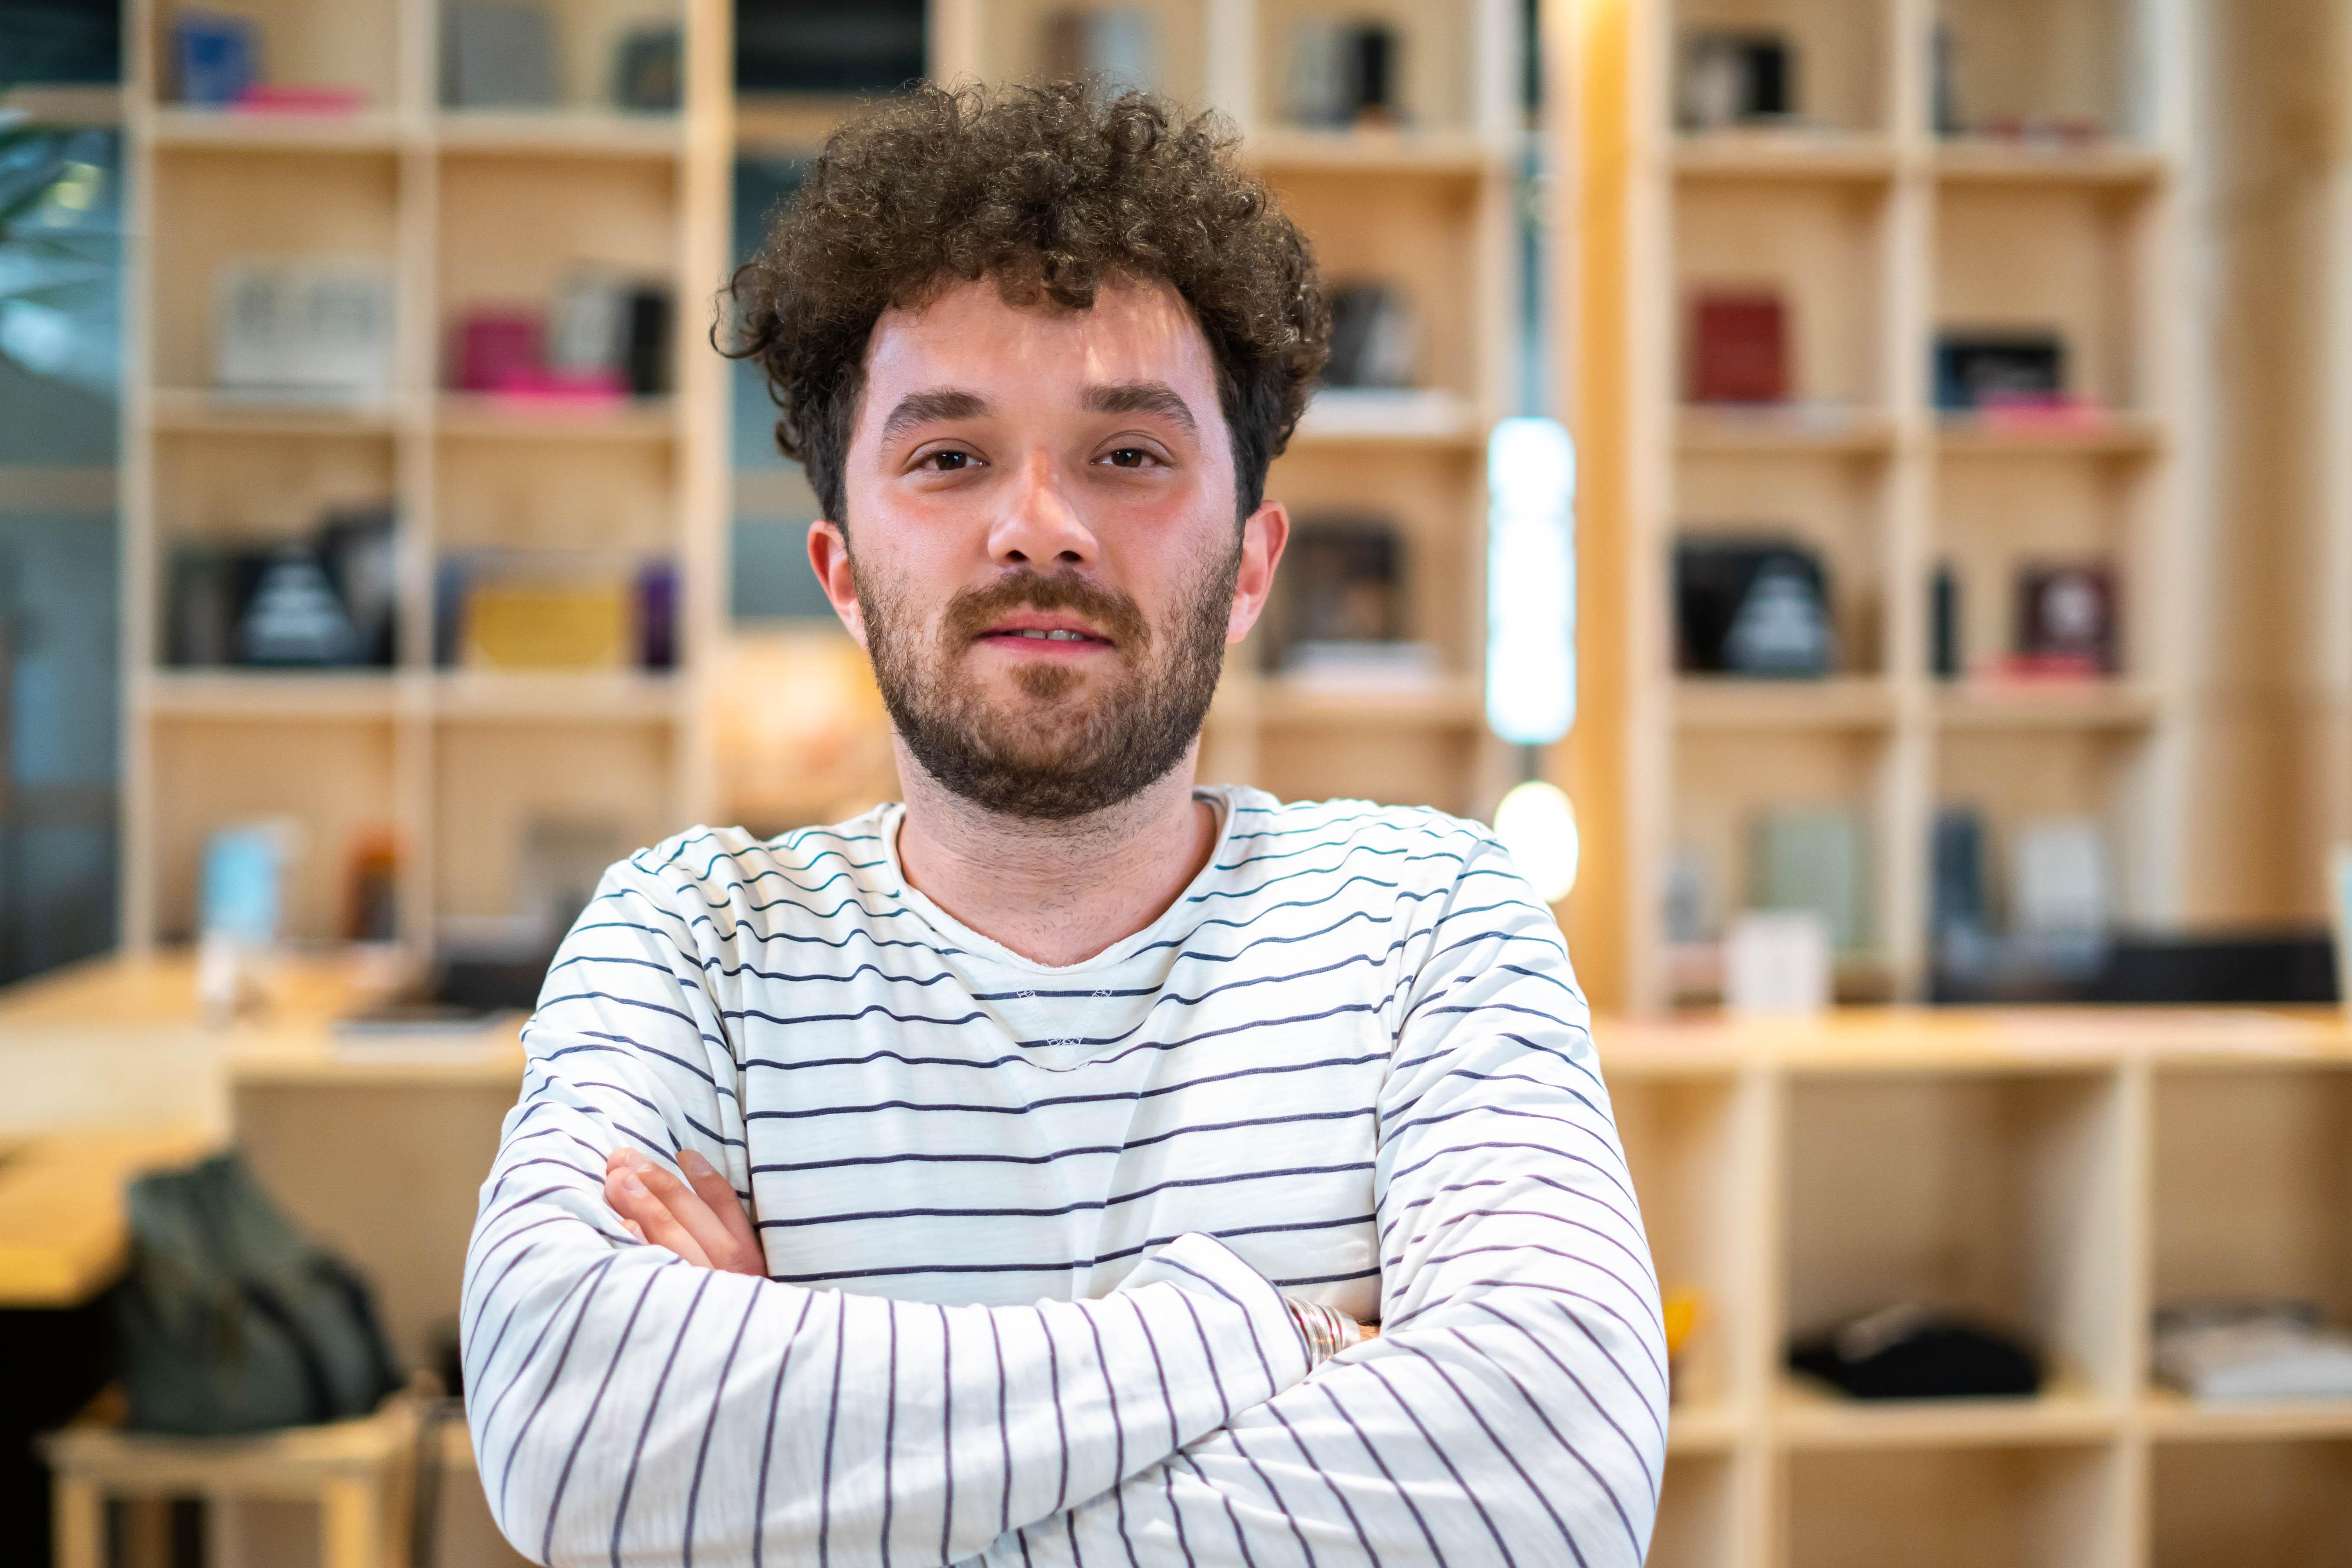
[{"x": 548, "y": 623}]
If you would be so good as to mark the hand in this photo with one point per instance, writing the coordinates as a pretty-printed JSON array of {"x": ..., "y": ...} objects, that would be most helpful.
[{"x": 701, "y": 1222}]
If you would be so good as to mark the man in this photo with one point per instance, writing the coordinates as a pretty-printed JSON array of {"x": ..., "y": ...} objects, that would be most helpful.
[{"x": 1003, "y": 1174}]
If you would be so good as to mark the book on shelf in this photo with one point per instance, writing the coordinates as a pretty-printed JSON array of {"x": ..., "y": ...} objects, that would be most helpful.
[
  {"x": 1375, "y": 337},
  {"x": 649, "y": 69},
  {"x": 1738, "y": 346},
  {"x": 1810, "y": 858}
]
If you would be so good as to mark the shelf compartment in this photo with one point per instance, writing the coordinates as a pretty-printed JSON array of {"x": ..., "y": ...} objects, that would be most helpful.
[
  {"x": 2282, "y": 1504},
  {"x": 1839, "y": 76},
  {"x": 2030, "y": 1507},
  {"x": 214, "y": 206},
  {"x": 582, "y": 38},
  {"x": 2062, "y": 260},
  {"x": 1698, "y": 1515},
  {"x": 1418, "y": 237},
  {"x": 2253, "y": 1184},
  {"x": 2012, "y": 774},
  {"x": 1725, "y": 779},
  {"x": 2000, "y": 512},
  {"x": 1432, "y": 68},
  {"x": 332, "y": 776},
  {"x": 321, "y": 42},
  {"x": 2002, "y": 1195},
  {"x": 264, "y": 486},
  {"x": 1683, "y": 1141},
  {"x": 1819, "y": 246},
  {"x": 1428, "y": 495},
  {"x": 495, "y": 493},
  {"x": 496, "y": 776},
  {"x": 2067, "y": 60},
  {"x": 513, "y": 229}
]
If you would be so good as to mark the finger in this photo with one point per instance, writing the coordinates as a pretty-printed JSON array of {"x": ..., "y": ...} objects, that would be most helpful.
[
  {"x": 688, "y": 1208},
  {"x": 634, "y": 1228},
  {"x": 635, "y": 1203},
  {"x": 744, "y": 1255}
]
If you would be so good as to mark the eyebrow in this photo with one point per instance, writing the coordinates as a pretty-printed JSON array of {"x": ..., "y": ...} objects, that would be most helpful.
[
  {"x": 923, "y": 407},
  {"x": 1141, "y": 398}
]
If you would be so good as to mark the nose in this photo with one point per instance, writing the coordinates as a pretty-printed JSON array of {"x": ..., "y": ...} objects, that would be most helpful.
[{"x": 1039, "y": 528}]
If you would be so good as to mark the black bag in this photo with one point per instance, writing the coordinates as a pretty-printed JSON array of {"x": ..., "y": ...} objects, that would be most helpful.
[{"x": 230, "y": 1321}]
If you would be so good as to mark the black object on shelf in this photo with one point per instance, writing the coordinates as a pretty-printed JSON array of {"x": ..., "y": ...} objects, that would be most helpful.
[
  {"x": 651, "y": 313},
  {"x": 1945, "y": 654},
  {"x": 1374, "y": 337},
  {"x": 1343, "y": 584},
  {"x": 1735, "y": 79},
  {"x": 649, "y": 69},
  {"x": 1958, "y": 910},
  {"x": 821, "y": 45},
  {"x": 1974, "y": 370},
  {"x": 1751, "y": 605},
  {"x": 2287, "y": 967},
  {"x": 1916, "y": 1351},
  {"x": 325, "y": 602}
]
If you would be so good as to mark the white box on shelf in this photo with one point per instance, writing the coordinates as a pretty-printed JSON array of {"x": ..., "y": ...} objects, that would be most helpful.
[{"x": 309, "y": 329}]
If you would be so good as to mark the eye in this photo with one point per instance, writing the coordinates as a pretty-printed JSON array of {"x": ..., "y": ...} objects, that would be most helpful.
[
  {"x": 947, "y": 460},
  {"x": 1129, "y": 458}
]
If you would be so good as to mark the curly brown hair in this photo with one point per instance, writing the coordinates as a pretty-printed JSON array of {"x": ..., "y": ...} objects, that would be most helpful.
[{"x": 1051, "y": 190}]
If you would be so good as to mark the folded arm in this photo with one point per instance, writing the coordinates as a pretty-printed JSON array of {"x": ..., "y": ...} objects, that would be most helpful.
[
  {"x": 627, "y": 1405},
  {"x": 1513, "y": 1409}
]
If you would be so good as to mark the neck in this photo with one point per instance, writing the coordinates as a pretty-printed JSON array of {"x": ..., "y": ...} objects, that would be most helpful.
[{"x": 1055, "y": 892}]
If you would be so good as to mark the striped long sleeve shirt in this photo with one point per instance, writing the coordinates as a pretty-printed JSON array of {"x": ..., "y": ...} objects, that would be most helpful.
[{"x": 1029, "y": 1228}]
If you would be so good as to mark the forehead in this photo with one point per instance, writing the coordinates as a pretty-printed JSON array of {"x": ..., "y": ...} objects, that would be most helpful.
[{"x": 969, "y": 337}]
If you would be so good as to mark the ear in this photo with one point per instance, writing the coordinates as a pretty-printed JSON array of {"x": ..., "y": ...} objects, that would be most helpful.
[
  {"x": 828, "y": 550},
  {"x": 1263, "y": 537}
]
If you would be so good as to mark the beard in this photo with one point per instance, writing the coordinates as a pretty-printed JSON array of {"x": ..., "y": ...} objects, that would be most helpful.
[{"x": 1050, "y": 755}]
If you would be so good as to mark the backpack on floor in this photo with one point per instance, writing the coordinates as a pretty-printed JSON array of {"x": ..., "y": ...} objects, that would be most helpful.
[{"x": 231, "y": 1320}]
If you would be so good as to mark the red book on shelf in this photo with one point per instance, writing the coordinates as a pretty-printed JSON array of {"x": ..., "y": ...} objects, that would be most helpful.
[{"x": 1740, "y": 348}]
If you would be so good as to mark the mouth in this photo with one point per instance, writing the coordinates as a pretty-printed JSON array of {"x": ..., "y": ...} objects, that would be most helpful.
[{"x": 1044, "y": 634}]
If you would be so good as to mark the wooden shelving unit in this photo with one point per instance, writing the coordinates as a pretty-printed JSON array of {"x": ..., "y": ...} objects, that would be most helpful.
[
  {"x": 1877, "y": 233},
  {"x": 2062, "y": 1171},
  {"x": 465, "y": 208}
]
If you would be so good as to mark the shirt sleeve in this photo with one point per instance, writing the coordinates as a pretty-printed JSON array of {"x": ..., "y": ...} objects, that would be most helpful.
[
  {"x": 1513, "y": 1409},
  {"x": 627, "y": 1407}
]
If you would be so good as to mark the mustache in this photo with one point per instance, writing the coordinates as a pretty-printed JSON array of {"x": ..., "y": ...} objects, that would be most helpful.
[{"x": 972, "y": 611}]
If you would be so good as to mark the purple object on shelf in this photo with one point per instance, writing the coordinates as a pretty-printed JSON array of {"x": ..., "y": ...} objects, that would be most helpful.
[{"x": 657, "y": 614}]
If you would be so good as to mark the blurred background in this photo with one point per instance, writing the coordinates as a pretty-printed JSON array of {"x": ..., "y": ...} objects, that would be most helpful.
[{"x": 1857, "y": 491}]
